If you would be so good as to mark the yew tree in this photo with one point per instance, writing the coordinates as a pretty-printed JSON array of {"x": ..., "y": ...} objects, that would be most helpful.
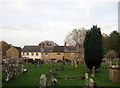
[{"x": 93, "y": 48}]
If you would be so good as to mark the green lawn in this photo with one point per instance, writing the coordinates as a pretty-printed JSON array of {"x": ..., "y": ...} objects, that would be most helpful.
[{"x": 31, "y": 78}]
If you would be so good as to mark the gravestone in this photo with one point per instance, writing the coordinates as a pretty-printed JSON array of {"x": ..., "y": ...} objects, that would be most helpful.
[
  {"x": 93, "y": 71},
  {"x": 42, "y": 83},
  {"x": 22, "y": 69},
  {"x": 51, "y": 81},
  {"x": 72, "y": 62},
  {"x": 86, "y": 80},
  {"x": 75, "y": 62},
  {"x": 49, "y": 78},
  {"x": 38, "y": 64},
  {"x": 62, "y": 68},
  {"x": 91, "y": 83},
  {"x": 51, "y": 66},
  {"x": 110, "y": 62}
]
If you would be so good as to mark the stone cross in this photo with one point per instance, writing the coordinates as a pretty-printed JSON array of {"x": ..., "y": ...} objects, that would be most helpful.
[
  {"x": 42, "y": 81},
  {"x": 86, "y": 80},
  {"x": 93, "y": 71}
]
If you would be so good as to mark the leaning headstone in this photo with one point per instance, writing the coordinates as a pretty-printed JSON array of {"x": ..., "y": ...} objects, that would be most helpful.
[
  {"x": 86, "y": 80},
  {"x": 42, "y": 81},
  {"x": 93, "y": 71}
]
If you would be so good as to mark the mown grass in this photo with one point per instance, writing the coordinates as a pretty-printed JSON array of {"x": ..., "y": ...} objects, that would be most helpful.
[{"x": 31, "y": 78}]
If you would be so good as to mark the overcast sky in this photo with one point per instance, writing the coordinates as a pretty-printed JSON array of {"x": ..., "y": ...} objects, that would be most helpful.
[{"x": 28, "y": 22}]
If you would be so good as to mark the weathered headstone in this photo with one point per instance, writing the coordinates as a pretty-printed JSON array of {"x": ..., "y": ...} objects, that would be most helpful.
[
  {"x": 22, "y": 69},
  {"x": 38, "y": 64},
  {"x": 72, "y": 62},
  {"x": 86, "y": 80},
  {"x": 42, "y": 81},
  {"x": 51, "y": 81},
  {"x": 91, "y": 83},
  {"x": 62, "y": 68},
  {"x": 75, "y": 62},
  {"x": 49, "y": 78},
  {"x": 110, "y": 62},
  {"x": 51, "y": 66},
  {"x": 93, "y": 71}
]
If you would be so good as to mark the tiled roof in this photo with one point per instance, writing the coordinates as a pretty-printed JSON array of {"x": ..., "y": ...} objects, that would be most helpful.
[
  {"x": 81, "y": 50},
  {"x": 31, "y": 49},
  {"x": 58, "y": 49},
  {"x": 71, "y": 49},
  {"x": 51, "y": 49},
  {"x": 48, "y": 48},
  {"x": 18, "y": 48}
]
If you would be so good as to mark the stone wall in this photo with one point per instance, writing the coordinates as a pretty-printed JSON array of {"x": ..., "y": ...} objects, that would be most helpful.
[{"x": 114, "y": 73}]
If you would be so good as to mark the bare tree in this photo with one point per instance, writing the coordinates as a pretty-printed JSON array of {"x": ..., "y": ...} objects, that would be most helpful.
[
  {"x": 76, "y": 36},
  {"x": 49, "y": 43},
  {"x": 112, "y": 54}
]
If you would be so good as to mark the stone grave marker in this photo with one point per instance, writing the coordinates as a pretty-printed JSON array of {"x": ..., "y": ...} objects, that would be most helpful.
[
  {"x": 62, "y": 68},
  {"x": 72, "y": 62},
  {"x": 22, "y": 69},
  {"x": 91, "y": 83},
  {"x": 86, "y": 80},
  {"x": 42, "y": 83},
  {"x": 110, "y": 62},
  {"x": 75, "y": 62},
  {"x": 93, "y": 71}
]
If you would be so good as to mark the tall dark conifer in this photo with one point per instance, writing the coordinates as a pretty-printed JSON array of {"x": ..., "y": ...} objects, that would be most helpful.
[{"x": 93, "y": 46}]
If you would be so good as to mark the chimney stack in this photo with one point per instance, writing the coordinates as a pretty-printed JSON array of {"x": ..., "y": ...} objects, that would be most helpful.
[
  {"x": 65, "y": 44},
  {"x": 41, "y": 45}
]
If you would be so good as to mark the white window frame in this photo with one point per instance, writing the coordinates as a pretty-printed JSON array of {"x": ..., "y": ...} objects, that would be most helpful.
[{"x": 72, "y": 54}]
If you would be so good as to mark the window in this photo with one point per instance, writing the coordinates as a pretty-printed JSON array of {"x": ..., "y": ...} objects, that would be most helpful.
[
  {"x": 46, "y": 53},
  {"x": 27, "y": 53},
  {"x": 58, "y": 53},
  {"x": 71, "y": 54},
  {"x": 22, "y": 53},
  {"x": 36, "y": 54},
  {"x": 32, "y": 54}
]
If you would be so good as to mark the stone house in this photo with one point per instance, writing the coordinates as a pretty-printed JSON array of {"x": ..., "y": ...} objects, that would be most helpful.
[
  {"x": 31, "y": 52},
  {"x": 52, "y": 52},
  {"x": 14, "y": 52}
]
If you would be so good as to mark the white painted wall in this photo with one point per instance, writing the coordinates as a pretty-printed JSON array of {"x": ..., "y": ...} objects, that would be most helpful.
[{"x": 34, "y": 56}]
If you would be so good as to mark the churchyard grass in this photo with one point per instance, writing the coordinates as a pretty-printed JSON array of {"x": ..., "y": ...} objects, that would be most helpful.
[{"x": 31, "y": 77}]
